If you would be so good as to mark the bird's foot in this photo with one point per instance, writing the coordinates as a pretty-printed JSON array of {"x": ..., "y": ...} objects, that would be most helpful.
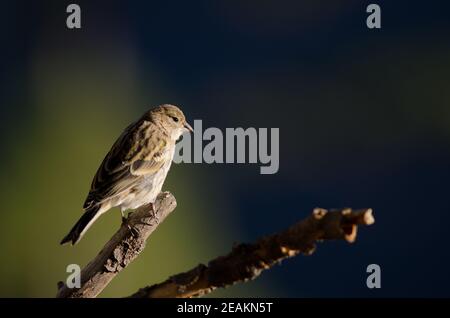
[
  {"x": 131, "y": 228},
  {"x": 134, "y": 232}
]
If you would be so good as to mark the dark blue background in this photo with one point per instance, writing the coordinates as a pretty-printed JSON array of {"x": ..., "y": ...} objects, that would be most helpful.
[{"x": 363, "y": 115}]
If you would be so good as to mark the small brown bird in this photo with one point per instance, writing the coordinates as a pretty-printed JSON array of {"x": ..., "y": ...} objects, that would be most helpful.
[{"x": 133, "y": 172}]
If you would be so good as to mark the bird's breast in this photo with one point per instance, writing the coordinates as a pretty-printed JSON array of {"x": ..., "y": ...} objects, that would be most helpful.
[{"x": 149, "y": 187}]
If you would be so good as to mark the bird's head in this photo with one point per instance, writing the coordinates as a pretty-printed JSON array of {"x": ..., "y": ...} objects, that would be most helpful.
[{"x": 171, "y": 119}]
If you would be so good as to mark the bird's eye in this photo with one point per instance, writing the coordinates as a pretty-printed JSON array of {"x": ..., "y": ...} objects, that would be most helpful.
[{"x": 175, "y": 119}]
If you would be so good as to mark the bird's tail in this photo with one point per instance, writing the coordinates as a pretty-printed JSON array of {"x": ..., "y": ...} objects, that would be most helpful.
[{"x": 78, "y": 230}]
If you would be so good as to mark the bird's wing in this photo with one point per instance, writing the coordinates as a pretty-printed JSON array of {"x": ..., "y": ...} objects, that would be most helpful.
[
  {"x": 138, "y": 152},
  {"x": 150, "y": 161}
]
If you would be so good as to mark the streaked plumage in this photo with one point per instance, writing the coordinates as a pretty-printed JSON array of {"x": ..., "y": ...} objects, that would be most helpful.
[{"x": 134, "y": 170}]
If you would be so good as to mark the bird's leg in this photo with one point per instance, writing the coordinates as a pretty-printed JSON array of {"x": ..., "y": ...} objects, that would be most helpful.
[{"x": 124, "y": 219}]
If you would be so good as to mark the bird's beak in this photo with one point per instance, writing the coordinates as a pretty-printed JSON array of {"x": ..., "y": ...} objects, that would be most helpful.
[{"x": 188, "y": 127}]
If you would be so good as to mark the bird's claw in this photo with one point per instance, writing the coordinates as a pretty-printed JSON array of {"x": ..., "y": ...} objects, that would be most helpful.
[{"x": 134, "y": 232}]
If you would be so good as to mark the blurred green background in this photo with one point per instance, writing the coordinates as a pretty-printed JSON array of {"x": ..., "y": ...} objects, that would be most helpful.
[{"x": 79, "y": 109}]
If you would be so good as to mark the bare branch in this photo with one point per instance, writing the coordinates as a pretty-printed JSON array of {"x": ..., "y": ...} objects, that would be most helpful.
[
  {"x": 247, "y": 261},
  {"x": 243, "y": 263},
  {"x": 125, "y": 245}
]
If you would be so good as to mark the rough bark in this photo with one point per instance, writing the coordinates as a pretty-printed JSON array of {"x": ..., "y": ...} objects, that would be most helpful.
[
  {"x": 125, "y": 245},
  {"x": 243, "y": 263},
  {"x": 247, "y": 261}
]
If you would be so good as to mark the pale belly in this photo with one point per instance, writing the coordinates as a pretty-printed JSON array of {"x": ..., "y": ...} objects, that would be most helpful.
[{"x": 147, "y": 191}]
